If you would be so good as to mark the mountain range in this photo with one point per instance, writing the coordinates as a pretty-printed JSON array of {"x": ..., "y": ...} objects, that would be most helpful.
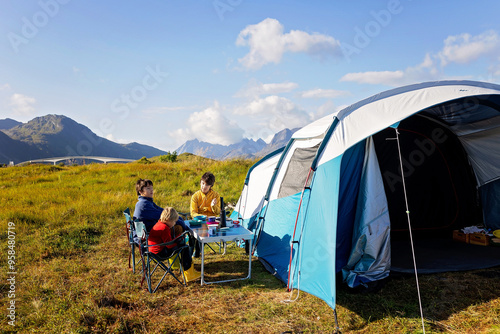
[
  {"x": 59, "y": 136},
  {"x": 246, "y": 148}
]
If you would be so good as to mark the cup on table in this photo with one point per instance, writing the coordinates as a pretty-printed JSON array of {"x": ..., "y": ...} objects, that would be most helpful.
[{"x": 212, "y": 228}]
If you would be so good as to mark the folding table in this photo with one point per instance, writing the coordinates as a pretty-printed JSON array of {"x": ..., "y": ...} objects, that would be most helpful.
[{"x": 223, "y": 235}]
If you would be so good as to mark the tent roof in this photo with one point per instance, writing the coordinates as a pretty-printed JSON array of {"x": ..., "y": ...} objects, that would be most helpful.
[
  {"x": 380, "y": 111},
  {"x": 315, "y": 129}
]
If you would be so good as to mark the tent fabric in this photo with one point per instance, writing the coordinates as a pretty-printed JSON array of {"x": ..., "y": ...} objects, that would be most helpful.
[
  {"x": 350, "y": 178},
  {"x": 315, "y": 129},
  {"x": 475, "y": 122},
  {"x": 274, "y": 240},
  {"x": 317, "y": 247},
  {"x": 370, "y": 258},
  {"x": 484, "y": 153},
  {"x": 350, "y": 216},
  {"x": 490, "y": 197},
  {"x": 252, "y": 197}
]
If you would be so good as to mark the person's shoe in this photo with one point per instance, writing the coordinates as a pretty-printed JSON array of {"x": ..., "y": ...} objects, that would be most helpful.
[
  {"x": 176, "y": 264},
  {"x": 191, "y": 274}
]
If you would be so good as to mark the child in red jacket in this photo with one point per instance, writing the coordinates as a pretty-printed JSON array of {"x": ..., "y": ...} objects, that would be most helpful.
[{"x": 163, "y": 231}]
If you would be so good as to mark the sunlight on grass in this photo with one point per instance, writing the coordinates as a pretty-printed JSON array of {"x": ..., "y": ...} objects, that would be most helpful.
[{"x": 74, "y": 277}]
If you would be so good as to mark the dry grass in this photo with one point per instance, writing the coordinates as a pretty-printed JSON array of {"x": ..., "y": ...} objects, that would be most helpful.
[{"x": 72, "y": 259}]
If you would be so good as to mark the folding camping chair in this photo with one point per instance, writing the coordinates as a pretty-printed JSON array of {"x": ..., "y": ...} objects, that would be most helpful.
[
  {"x": 152, "y": 262},
  {"x": 133, "y": 240}
]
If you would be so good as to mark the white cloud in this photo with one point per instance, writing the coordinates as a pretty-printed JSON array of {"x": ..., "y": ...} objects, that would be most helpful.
[
  {"x": 273, "y": 114},
  {"x": 323, "y": 93},
  {"x": 268, "y": 43},
  {"x": 117, "y": 140},
  {"x": 22, "y": 104},
  {"x": 390, "y": 78},
  {"x": 464, "y": 48},
  {"x": 255, "y": 89},
  {"x": 495, "y": 69},
  {"x": 328, "y": 108},
  {"x": 211, "y": 126},
  {"x": 5, "y": 87},
  {"x": 460, "y": 49},
  {"x": 425, "y": 71}
]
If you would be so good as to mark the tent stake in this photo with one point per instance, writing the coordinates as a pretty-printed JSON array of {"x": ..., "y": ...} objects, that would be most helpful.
[{"x": 337, "y": 328}]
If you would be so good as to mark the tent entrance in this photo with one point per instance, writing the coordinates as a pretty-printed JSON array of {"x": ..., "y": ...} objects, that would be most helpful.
[
  {"x": 440, "y": 184},
  {"x": 442, "y": 196}
]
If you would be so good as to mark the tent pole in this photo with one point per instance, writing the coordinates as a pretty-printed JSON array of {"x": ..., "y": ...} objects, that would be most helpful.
[
  {"x": 409, "y": 229},
  {"x": 290, "y": 285},
  {"x": 260, "y": 222}
]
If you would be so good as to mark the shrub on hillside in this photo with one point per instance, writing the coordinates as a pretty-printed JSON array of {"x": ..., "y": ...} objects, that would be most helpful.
[
  {"x": 169, "y": 157},
  {"x": 144, "y": 160}
]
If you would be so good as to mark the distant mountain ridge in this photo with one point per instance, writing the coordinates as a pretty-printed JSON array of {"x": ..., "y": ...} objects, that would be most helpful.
[
  {"x": 58, "y": 136},
  {"x": 8, "y": 123},
  {"x": 246, "y": 148},
  {"x": 279, "y": 140}
]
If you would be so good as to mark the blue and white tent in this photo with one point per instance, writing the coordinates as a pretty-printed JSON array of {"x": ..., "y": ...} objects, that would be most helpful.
[{"x": 332, "y": 201}]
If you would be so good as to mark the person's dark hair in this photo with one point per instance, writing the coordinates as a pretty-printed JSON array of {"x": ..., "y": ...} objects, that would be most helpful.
[
  {"x": 208, "y": 178},
  {"x": 141, "y": 184}
]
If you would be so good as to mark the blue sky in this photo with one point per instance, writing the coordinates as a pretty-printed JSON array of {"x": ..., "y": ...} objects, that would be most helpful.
[{"x": 162, "y": 72}]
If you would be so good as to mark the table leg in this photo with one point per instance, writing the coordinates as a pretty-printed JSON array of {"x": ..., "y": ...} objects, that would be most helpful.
[
  {"x": 202, "y": 280},
  {"x": 224, "y": 281}
]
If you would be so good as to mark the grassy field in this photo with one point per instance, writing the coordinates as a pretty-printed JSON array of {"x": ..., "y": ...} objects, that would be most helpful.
[{"x": 71, "y": 262}]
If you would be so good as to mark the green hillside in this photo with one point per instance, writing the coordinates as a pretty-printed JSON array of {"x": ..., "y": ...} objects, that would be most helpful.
[{"x": 71, "y": 262}]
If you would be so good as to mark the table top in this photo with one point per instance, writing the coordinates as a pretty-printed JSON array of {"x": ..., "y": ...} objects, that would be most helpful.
[{"x": 224, "y": 234}]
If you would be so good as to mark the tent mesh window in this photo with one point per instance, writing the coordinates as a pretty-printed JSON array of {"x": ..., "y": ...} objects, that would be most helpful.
[{"x": 296, "y": 173}]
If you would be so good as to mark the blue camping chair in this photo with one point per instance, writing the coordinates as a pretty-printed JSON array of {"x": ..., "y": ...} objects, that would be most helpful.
[
  {"x": 133, "y": 241},
  {"x": 152, "y": 262}
]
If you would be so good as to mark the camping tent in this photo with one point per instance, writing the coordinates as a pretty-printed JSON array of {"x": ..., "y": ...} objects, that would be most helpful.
[{"x": 334, "y": 200}]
